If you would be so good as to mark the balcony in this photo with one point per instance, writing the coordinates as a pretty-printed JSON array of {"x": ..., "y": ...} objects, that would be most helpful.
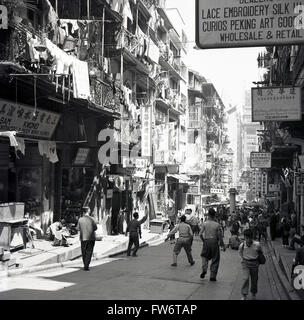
[
  {"x": 102, "y": 95},
  {"x": 14, "y": 57}
]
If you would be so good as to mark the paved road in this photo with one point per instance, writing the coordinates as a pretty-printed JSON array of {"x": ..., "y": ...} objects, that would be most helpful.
[{"x": 146, "y": 277}]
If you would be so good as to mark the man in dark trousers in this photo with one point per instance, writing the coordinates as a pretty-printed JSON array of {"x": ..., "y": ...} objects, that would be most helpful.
[
  {"x": 184, "y": 240},
  {"x": 87, "y": 226},
  {"x": 134, "y": 231},
  {"x": 212, "y": 237}
]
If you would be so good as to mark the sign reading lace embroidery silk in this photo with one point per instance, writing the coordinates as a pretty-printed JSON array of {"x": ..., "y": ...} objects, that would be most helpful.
[
  {"x": 3, "y": 18},
  {"x": 248, "y": 23}
]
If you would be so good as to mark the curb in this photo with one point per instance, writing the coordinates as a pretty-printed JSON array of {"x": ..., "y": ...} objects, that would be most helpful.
[
  {"x": 97, "y": 257},
  {"x": 289, "y": 290}
]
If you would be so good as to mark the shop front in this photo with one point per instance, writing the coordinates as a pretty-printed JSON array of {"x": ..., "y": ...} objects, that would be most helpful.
[{"x": 27, "y": 158}]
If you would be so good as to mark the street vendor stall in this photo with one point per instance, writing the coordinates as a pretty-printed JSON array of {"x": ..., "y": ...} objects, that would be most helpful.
[{"x": 12, "y": 224}]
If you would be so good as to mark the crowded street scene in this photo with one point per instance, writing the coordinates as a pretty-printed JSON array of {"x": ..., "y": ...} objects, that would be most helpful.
[{"x": 151, "y": 150}]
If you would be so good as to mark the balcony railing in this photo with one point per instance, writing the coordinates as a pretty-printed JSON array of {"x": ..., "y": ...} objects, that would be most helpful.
[{"x": 103, "y": 95}]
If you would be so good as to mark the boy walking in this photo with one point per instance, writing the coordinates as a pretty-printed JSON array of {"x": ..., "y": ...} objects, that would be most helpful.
[
  {"x": 249, "y": 251},
  {"x": 135, "y": 233}
]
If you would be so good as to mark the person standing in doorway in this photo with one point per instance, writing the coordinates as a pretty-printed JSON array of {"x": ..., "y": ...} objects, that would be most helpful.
[
  {"x": 134, "y": 231},
  {"x": 249, "y": 252},
  {"x": 273, "y": 225},
  {"x": 184, "y": 240},
  {"x": 87, "y": 227},
  {"x": 212, "y": 237}
]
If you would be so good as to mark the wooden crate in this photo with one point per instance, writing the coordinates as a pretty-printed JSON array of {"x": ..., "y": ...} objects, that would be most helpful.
[{"x": 11, "y": 211}]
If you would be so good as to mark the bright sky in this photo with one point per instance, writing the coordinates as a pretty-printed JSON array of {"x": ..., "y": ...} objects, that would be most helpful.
[{"x": 232, "y": 71}]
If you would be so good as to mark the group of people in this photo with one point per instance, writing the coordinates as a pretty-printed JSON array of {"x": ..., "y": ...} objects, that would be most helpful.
[{"x": 211, "y": 232}]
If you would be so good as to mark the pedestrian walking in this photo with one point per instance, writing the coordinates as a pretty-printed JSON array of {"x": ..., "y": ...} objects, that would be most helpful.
[
  {"x": 134, "y": 231},
  {"x": 262, "y": 227},
  {"x": 293, "y": 224},
  {"x": 87, "y": 227},
  {"x": 285, "y": 230},
  {"x": 273, "y": 225},
  {"x": 171, "y": 227},
  {"x": 212, "y": 238},
  {"x": 184, "y": 240},
  {"x": 250, "y": 251}
]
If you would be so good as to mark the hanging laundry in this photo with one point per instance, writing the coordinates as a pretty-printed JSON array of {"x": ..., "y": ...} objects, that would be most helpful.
[
  {"x": 153, "y": 51},
  {"x": 73, "y": 23},
  {"x": 48, "y": 148},
  {"x": 21, "y": 145},
  {"x": 62, "y": 61},
  {"x": 32, "y": 42},
  {"x": 293, "y": 56},
  {"x": 114, "y": 66},
  {"x": 127, "y": 95},
  {"x": 60, "y": 37},
  {"x": 81, "y": 82},
  {"x": 52, "y": 152},
  {"x": 12, "y": 137},
  {"x": 116, "y": 5},
  {"x": 126, "y": 13}
]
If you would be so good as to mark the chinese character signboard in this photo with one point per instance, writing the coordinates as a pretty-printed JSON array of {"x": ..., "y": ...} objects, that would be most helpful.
[
  {"x": 146, "y": 143},
  {"x": 81, "y": 157},
  {"x": 276, "y": 104},
  {"x": 139, "y": 163},
  {"x": 264, "y": 190},
  {"x": 260, "y": 160},
  {"x": 244, "y": 23},
  {"x": 216, "y": 191},
  {"x": 26, "y": 120}
]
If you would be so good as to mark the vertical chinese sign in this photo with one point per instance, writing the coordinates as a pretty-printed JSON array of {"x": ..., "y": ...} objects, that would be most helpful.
[{"x": 146, "y": 135}]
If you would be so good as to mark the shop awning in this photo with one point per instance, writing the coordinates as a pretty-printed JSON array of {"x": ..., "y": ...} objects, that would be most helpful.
[{"x": 181, "y": 177}]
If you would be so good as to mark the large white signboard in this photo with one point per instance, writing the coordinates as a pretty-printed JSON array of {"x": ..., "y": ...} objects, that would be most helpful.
[
  {"x": 260, "y": 160},
  {"x": 26, "y": 120},
  {"x": 276, "y": 104},
  {"x": 248, "y": 23}
]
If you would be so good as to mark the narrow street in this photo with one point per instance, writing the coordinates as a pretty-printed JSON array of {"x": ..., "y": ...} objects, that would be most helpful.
[{"x": 146, "y": 277}]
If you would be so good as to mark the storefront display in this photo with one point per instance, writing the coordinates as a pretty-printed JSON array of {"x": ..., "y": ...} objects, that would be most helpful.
[
  {"x": 29, "y": 182},
  {"x": 76, "y": 183}
]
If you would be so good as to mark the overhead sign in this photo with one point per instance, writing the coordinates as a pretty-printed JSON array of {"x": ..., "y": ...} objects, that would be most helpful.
[
  {"x": 260, "y": 160},
  {"x": 264, "y": 188},
  {"x": 276, "y": 104},
  {"x": 82, "y": 155},
  {"x": 216, "y": 191},
  {"x": 134, "y": 162},
  {"x": 146, "y": 142},
  {"x": 248, "y": 23},
  {"x": 26, "y": 120}
]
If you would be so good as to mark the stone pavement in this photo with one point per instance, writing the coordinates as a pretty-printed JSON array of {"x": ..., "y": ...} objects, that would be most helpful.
[
  {"x": 45, "y": 256},
  {"x": 283, "y": 257}
]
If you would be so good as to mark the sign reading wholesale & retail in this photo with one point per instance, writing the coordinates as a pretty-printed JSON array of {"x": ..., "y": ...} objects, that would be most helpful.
[
  {"x": 248, "y": 23},
  {"x": 276, "y": 104},
  {"x": 260, "y": 159}
]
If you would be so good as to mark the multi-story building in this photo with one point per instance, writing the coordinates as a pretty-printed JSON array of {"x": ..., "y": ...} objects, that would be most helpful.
[{"x": 94, "y": 110}]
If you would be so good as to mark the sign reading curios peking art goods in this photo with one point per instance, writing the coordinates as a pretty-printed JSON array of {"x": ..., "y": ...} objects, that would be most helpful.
[
  {"x": 26, "y": 120},
  {"x": 248, "y": 23}
]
